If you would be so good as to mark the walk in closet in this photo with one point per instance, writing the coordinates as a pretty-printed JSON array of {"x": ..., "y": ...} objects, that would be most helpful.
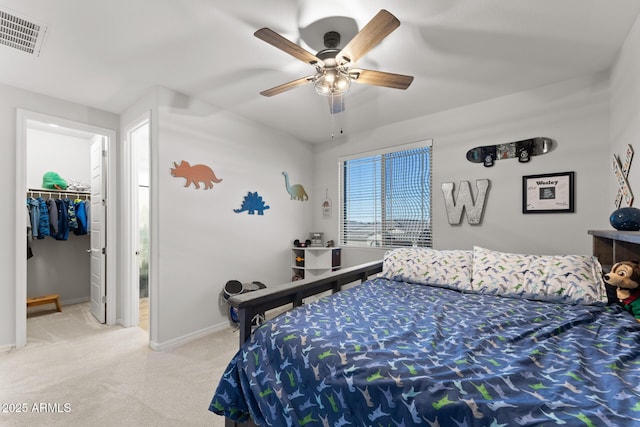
[{"x": 58, "y": 258}]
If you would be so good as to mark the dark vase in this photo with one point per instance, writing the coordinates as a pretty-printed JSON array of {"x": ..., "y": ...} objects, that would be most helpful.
[{"x": 626, "y": 219}]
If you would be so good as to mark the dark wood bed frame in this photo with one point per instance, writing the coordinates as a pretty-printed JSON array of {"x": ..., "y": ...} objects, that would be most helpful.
[
  {"x": 251, "y": 303},
  {"x": 257, "y": 302}
]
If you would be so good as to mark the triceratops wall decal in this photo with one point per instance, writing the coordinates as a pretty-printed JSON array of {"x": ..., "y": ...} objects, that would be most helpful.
[{"x": 195, "y": 174}]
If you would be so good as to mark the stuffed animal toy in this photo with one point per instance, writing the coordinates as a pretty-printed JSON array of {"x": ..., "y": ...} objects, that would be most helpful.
[{"x": 625, "y": 276}]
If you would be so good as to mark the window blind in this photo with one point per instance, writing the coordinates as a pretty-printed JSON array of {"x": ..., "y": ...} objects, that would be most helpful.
[{"x": 386, "y": 198}]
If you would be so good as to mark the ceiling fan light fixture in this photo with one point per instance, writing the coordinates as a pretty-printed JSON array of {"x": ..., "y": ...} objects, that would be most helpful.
[
  {"x": 333, "y": 75},
  {"x": 331, "y": 81}
]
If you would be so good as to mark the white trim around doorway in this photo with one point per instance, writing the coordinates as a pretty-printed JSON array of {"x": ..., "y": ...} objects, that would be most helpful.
[
  {"x": 22, "y": 117},
  {"x": 128, "y": 260}
]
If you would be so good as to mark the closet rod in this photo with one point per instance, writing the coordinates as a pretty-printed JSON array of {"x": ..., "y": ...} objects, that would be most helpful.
[{"x": 59, "y": 193}]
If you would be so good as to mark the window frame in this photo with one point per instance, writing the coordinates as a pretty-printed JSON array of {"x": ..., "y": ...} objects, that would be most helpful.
[{"x": 383, "y": 243}]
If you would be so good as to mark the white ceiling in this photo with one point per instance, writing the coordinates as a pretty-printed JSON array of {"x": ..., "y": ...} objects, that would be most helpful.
[{"x": 108, "y": 53}]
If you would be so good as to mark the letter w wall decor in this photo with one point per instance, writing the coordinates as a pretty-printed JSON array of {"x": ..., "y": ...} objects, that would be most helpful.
[{"x": 464, "y": 201}]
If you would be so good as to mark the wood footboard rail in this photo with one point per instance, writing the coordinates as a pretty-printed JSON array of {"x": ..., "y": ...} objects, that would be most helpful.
[{"x": 252, "y": 303}]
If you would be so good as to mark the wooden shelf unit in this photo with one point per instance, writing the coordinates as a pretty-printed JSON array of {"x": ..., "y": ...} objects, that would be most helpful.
[
  {"x": 611, "y": 246},
  {"x": 313, "y": 261}
]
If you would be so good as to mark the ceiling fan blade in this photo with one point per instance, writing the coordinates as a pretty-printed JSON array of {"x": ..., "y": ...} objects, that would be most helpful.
[
  {"x": 371, "y": 34},
  {"x": 380, "y": 78},
  {"x": 336, "y": 104},
  {"x": 287, "y": 46},
  {"x": 287, "y": 86}
]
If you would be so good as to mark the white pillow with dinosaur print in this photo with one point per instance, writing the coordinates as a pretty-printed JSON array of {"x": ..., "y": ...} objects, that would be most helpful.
[
  {"x": 569, "y": 279},
  {"x": 443, "y": 268}
]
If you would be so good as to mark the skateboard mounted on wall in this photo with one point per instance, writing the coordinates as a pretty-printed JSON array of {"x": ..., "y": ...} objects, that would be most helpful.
[{"x": 522, "y": 150}]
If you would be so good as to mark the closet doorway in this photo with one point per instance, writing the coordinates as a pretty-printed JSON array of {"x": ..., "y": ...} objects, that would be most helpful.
[{"x": 74, "y": 266}]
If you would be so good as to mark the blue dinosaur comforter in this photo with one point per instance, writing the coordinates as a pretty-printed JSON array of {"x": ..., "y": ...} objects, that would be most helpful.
[{"x": 397, "y": 354}]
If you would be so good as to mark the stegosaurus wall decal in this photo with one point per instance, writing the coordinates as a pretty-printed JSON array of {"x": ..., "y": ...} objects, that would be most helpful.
[{"x": 252, "y": 202}]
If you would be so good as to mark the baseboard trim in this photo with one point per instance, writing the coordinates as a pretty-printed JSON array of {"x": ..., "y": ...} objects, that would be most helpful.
[
  {"x": 73, "y": 301},
  {"x": 7, "y": 348},
  {"x": 177, "y": 342}
]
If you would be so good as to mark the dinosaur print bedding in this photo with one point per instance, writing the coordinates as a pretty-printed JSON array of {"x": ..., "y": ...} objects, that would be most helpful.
[{"x": 388, "y": 353}]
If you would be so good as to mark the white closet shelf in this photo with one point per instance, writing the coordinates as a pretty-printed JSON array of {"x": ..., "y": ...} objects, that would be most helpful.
[{"x": 59, "y": 193}]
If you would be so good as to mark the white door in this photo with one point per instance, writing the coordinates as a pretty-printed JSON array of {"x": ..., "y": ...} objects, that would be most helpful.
[
  {"x": 135, "y": 229},
  {"x": 97, "y": 224}
]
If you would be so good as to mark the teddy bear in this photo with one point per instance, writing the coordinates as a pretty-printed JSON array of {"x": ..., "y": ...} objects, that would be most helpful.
[{"x": 625, "y": 276}]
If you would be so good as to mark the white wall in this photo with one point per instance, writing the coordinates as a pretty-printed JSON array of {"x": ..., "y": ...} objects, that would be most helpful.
[
  {"x": 202, "y": 242},
  {"x": 54, "y": 152},
  {"x": 11, "y": 99},
  {"x": 197, "y": 241},
  {"x": 60, "y": 267},
  {"x": 574, "y": 113},
  {"x": 625, "y": 113}
]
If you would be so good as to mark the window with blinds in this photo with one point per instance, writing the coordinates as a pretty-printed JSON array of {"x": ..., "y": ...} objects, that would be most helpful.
[{"x": 385, "y": 198}]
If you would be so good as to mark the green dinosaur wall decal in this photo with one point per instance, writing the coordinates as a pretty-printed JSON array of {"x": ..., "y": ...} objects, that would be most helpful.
[{"x": 296, "y": 191}]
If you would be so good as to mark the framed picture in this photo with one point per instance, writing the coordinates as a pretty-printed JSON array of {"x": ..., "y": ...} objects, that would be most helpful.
[{"x": 548, "y": 193}]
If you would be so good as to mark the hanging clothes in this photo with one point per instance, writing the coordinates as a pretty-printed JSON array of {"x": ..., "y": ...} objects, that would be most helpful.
[
  {"x": 81, "y": 217},
  {"x": 87, "y": 209},
  {"x": 71, "y": 214},
  {"x": 56, "y": 217},
  {"x": 53, "y": 216},
  {"x": 43, "y": 222},
  {"x": 34, "y": 211},
  {"x": 29, "y": 235},
  {"x": 63, "y": 221}
]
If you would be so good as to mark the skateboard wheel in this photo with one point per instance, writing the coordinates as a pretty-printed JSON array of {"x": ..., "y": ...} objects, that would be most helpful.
[
  {"x": 488, "y": 161},
  {"x": 524, "y": 149}
]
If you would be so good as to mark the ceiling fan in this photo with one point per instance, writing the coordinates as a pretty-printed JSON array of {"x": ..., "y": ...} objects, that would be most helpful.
[{"x": 333, "y": 75}]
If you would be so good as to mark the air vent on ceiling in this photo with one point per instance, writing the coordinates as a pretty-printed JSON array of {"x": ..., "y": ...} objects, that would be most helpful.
[{"x": 20, "y": 33}]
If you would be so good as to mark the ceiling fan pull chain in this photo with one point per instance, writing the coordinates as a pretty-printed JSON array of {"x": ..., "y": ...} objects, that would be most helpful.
[{"x": 332, "y": 118}]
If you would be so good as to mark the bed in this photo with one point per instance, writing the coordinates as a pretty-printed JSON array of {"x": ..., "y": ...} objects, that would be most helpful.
[{"x": 445, "y": 338}]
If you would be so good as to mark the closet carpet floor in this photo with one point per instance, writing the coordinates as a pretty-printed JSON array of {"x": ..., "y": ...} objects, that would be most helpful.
[{"x": 77, "y": 372}]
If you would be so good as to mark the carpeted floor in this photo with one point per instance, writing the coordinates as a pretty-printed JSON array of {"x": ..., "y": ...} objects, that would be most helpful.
[{"x": 77, "y": 372}]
